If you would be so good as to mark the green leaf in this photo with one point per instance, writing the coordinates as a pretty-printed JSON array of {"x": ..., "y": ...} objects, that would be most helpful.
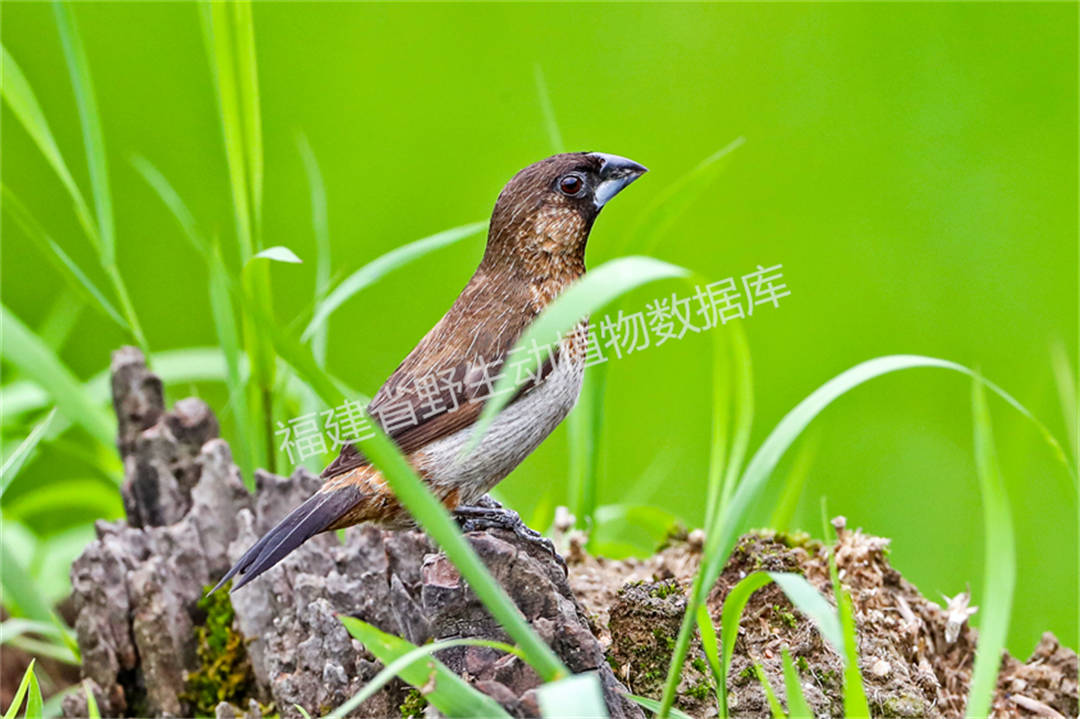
[
  {"x": 218, "y": 30},
  {"x": 670, "y": 204},
  {"x": 1000, "y": 562},
  {"x": 76, "y": 278},
  {"x": 90, "y": 121},
  {"x": 450, "y": 694},
  {"x": 380, "y": 267},
  {"x": 811, "y": 603},
  {"x": 744, "y": 410},
  {"x": 176, "y": 205},
  {"x": 551, "y": 124},
  {"x": 801, "y": 593},
  {"x": 248, "y": 91},
  {"x": 21, "y": 597},
  {"x": 20, "y": 693},
  {"x": 221, "y": 308},
  {"x": 14, "y": 461},
  {"x": 19, "y": 96},
  {"x": 710, "y": 646},
  {"x": 578, "y": 696},
  {"x": 732, "y": 610},
  {"x": 770, "y": 696},
  {"x": 589, "y": 293},
  {"x": 321, "y": 230},
  {"x": 654, "y": 706},
  {"x": 855, "y": 705},
  {"x": 794, "y": 482},
  {"x": 34, "y": 701},
  {"x": 796, "y": 700},
  {"x": 91, "y": 703},
  {"x": 94, "y": 143},
  {"x": 70, "y": 494},
  {"x": 1066, "y": 380},
  {"x": 26, "y": 351},
  {"x": 279, "y": 253},
  {"x": 655, "y": 520}
]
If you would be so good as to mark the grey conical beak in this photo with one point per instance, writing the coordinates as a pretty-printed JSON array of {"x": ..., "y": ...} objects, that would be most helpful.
[{"x": 615, "y": 174}]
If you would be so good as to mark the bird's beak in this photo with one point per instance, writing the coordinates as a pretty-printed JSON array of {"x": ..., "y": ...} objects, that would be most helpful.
[{"x": 615, "y": 174}]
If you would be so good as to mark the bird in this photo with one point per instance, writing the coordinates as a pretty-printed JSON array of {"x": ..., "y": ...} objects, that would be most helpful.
[{"x": 535, "y": 249}]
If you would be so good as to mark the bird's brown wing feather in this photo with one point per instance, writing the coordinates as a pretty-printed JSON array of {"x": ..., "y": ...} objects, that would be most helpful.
[{"x": 494, "y": 325}]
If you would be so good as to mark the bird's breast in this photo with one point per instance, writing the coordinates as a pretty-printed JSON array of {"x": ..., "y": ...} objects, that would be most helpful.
[{"x": 514, "y": 433}]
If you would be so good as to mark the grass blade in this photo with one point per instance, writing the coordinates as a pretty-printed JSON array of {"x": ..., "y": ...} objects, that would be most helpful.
[
  {"x": 94, "y": 143},
  {"x": 183, "y": 366},
  {"x": 21, "y": 597},
  {"x": 743, "y": 416},
  {"x": 221, "y": 308},
  {"x": 855, "y": 705},
  {"x": 26, "y": 351},
  {"x": 801, "y": 593},
  {"x": 14, "y": 461},
  {"x": 34, "y": 702},
  {"x": 732, "y": 610},
  {"x": 92, "y": 710},
  {"x": 578, "y": 696},
  {"x": 451, "y": 695},
  {"x": 548, "y": 111},
  {"x": 164, "y": 189},
  {"x": 798, "y": 708},
  {"x": 217, "y": 27},
  {"x": 1065, "y": 379},
  {"x": 711, "y": 647},
  {"x": 279, "y": 253},
  {"x": 809, "y": 601},
  {"x": 721, "y": 535},
  {"x": 247, "y": 83},
  {"x": 654, "y": 706},
  {"x": 90, "y": 121},
  {"x": 770, "y": 696},
  {"x": 589, "y": 293},
  {"x": 667, "y": 206},
  {"x": 76, "y": 278},
  {"x": 20, "y": 693},
  {"x": 321, "y": 229},
  {"x": 721, "y": 420},
  {"x": 20, "y": 97},
  {"x": 1000, "y": 561},
  {"x": 380, "y": 267},
  {"x": 785, "y": 507}
]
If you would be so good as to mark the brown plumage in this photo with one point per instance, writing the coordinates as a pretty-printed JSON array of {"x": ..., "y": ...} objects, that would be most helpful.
[{"x": 535, "y": 249}]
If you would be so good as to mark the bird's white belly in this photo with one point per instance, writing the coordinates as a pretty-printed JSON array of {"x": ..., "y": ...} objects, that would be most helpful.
[{"x": 510, "y": 438}]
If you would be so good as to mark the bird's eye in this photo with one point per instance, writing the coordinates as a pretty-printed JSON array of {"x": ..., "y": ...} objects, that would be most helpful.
[{"x": 571, "y": 184}]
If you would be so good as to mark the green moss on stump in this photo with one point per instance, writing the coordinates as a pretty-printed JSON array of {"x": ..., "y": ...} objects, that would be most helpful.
[
  {"x": 224, "y": 673},
  {"x": 413, "y": 706}
]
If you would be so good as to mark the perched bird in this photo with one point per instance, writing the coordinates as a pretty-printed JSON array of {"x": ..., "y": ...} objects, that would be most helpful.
[{"x": 535, "y": 250}]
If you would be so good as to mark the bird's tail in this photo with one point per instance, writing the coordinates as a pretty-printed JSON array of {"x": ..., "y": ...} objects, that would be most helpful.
[{"x": 317, "y": 514}]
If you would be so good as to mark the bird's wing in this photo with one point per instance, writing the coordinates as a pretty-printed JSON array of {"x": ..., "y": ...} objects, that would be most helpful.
[{"x": 441, "y": 383}]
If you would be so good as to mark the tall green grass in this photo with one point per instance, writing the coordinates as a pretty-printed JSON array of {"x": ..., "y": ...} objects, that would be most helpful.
[
  {"x": 258, "y": 356},
  {"x": 727, "y": 522},
  {"x": 999, "y": 547}
]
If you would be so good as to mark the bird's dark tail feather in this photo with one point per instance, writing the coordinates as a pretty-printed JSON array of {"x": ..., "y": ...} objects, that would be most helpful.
[{"x": 315, "y": 515}]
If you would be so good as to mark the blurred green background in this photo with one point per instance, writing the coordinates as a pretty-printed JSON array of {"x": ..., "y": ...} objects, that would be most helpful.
[{"x": 912, "y": 166}]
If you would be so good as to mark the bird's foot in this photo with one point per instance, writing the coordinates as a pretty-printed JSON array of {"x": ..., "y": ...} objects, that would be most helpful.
[{"x": 489, "y": 514}]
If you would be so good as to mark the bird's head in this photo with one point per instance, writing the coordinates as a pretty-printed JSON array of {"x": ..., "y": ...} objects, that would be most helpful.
[{"x": 548, "y": 208}]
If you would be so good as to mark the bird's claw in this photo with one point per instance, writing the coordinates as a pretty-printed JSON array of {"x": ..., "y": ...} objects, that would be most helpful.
[{"x": 489, "y": 514}]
